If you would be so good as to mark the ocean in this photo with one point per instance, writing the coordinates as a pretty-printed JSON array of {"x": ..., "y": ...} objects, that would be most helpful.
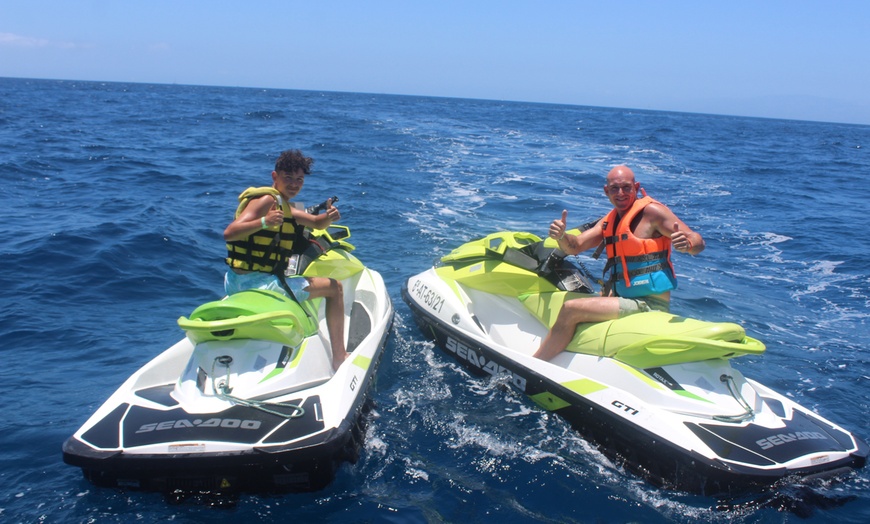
[{"x": 117, "y": 196}]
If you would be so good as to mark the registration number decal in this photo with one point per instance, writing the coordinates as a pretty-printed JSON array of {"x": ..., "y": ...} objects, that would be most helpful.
[{"x": 427, "y": 296}]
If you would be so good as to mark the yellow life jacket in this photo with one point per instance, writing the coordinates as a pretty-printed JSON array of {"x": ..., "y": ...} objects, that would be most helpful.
[
  {"x": 639, "y": 266},
  {"x": 266, "y": 250}
]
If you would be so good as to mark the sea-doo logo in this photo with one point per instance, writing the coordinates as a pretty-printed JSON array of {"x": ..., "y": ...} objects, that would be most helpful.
[
  {"x": 479, "y": 361},
  {"x": 427, "y": 296},
  {"x": 785, "y": 438},
  {"x": 228, "y": 423}
]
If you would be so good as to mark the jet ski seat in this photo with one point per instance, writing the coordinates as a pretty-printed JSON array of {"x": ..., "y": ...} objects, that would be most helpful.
[
  {"x": 250, "y": 314},
  {"x": 649, "y": 339}
]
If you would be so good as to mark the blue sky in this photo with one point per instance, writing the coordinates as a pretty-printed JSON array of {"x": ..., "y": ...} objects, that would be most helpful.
[{"x": 807, "y": 60}]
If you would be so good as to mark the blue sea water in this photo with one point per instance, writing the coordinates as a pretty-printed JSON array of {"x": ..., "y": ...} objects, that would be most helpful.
[{"x": 117, "y": 195}]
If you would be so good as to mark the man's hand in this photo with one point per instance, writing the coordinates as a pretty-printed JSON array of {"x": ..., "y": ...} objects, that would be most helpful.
[
  {"x": 557, "y": 228},
  {"x": 680, "y": 240}
]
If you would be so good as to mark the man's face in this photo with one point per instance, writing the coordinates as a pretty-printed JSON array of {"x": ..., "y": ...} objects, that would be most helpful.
[{"x": 621, "y": 189}]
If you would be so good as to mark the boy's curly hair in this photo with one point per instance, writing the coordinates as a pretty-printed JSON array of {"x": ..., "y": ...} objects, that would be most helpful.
[{"x": 292, "y": 160}]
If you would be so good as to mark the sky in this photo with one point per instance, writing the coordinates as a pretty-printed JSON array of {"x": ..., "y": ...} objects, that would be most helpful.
[{"x": 795, "y": 59}]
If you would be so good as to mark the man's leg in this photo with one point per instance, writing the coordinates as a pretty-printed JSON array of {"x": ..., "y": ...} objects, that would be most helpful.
[
  {"x": 573, "y": 312},
  {"x": 332, "y": 291}
]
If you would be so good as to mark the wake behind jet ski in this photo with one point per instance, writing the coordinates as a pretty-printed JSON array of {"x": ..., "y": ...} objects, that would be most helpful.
[
  {"x": 248, "y": 400},
  {"x": 655, "y": 391}
]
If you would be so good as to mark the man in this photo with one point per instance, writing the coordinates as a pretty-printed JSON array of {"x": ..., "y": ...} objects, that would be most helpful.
[
  {"x": 260, "y": 241},
  {"x": 639, "y": 235}
]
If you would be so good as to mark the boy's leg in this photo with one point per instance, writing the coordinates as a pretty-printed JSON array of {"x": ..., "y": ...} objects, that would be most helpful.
[{"x": 332, "y": 291}]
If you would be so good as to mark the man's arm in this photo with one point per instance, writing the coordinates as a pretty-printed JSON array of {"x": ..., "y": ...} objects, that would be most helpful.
[
  {"x": 683, "y": 238},
  {"x": 574, "y": 244}
]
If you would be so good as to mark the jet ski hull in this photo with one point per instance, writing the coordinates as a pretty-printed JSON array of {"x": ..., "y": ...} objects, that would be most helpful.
[
  {"x": 248, "y": 400},
  {"x": 656, "y": 421},
  {"x": 306, "y": 465},
  {"x": 256, "y": 450}
]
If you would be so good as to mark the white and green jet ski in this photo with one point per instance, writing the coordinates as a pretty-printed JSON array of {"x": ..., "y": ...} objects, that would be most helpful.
[
  {"x": 248, "y": 400},
  {"x": 654, "y": 391}
]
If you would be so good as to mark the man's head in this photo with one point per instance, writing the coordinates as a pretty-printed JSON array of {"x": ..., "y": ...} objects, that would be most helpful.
[{"x": 621, "y": 188}]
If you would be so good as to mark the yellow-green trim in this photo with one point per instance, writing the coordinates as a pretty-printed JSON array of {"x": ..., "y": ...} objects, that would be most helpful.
[
  {"x": 446, "y": 274},
  {"x": 650, "y": 382},
  {"x": 497, "y": 242},
  {"x": 335, "y": 263},
  {"x": 657, "y": 385},
  {"x": 290, "y": 365},
  {"x": 552, "y": 402},
  {"x": 549, "y": 401},
  {"x": 497, "y": 277},
  {"x": 583, "y": 386},
  {"x": 689, "y": 394},
  {"x": 362, "y": 361}
]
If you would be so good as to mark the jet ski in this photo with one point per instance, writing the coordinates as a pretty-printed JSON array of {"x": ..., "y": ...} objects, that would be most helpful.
[
  {"x": 655, "y": 392},
  {"x": 248, "y": 399}
]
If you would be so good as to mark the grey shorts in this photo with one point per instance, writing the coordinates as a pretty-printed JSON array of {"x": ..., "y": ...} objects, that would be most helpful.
[{"x": 630, "y": 306}]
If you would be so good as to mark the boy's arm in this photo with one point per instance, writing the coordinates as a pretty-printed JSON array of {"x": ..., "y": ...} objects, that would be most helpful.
[
  {"x": 257, "y": 213},
  {"x": 321, "y": 221}
]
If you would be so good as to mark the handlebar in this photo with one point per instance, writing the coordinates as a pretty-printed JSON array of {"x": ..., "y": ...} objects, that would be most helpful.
[{"x": 316, "y": 209}]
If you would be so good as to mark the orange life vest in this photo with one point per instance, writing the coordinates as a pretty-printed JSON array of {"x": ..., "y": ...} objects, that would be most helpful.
[{"x": 639, "y": 266}]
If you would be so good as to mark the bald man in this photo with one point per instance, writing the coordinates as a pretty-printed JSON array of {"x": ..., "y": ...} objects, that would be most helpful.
[{"x": 639, "y": 236}]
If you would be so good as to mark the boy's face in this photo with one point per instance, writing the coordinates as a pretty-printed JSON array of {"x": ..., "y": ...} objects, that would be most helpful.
[{"x": 289, "y": 184}]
